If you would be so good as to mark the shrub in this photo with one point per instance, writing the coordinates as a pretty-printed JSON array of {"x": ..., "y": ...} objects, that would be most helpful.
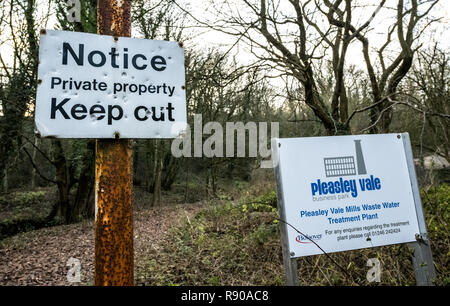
[
  {"x": 28, "y": 197},
  {"x": 239, "y": 244}
]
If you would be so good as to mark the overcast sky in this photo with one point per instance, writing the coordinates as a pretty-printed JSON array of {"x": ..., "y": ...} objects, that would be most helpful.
[
  {"x": 377, "y": 34},
  {"x": 204, "y": 38}
]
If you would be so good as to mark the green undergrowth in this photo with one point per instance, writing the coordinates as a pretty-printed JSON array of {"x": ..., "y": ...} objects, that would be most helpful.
[
  {"x": 436, "y": 203},
  {"x": 237, "y": 243},
  {"x": 22, "y": 211},
  {"x": 220, "y": 243}
]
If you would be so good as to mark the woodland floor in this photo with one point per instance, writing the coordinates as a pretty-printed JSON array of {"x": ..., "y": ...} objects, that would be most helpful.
[
  {"x": 232, "y": 240},
  {"x": 40, "y": 257}
]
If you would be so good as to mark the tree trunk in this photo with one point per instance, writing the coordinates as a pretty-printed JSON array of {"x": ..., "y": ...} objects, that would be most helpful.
[
  {"x": 207, "y": 184},
  {"x": 65, "y": 210},
  {"x": 82, "y": 205},
  {"x": 150, "y": 170},
  {"x": 157, "y": 174},
  {"x": 213, "y": 179},
  {"x": 33, "y": 172},
  {"x": 5, "y": 180},
  {"x": 186, "y": 187},
  {"x": 171, "y": 168},
  {"x": 63, "y": 183}
]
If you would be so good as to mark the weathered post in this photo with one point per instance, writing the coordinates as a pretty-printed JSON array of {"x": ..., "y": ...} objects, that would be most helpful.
[
  {"x": 290, "y": 264},
  {"x": 114, "y": 260},
  {"x": 422, "y": 256}
]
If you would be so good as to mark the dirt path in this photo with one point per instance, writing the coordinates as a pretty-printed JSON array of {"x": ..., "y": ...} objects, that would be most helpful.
[{"x": 40, "y": 257}]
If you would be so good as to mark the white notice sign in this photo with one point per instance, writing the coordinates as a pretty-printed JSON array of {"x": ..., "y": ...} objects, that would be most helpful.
[
  {"x": 96, "y": 86},
  {"x": 345, "y": 192}
]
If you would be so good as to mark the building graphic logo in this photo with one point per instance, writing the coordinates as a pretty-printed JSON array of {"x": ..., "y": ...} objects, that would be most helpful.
[{"x": 345, "y": 165}]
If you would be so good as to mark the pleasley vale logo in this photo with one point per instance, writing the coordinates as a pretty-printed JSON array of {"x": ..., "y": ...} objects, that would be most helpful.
[
  {"x": 304, "y": 239},
  {"x": 336, "y": 169}
]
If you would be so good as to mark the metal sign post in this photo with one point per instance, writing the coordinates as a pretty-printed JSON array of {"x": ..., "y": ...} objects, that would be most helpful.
[
  {"x": 422, "y": 257},
  {"x": 290, "y": 264},
  {"x": 114, "y": 254}
]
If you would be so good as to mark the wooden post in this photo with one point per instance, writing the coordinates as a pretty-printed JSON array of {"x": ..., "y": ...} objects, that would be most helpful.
[
  {"x": 423, "y": 257},
  {"x": 114, "y": 255}
]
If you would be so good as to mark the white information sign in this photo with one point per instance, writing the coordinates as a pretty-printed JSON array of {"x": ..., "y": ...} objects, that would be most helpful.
[
  {"x": 345, "y": 192},
  {"x": 97, "y": 86}
]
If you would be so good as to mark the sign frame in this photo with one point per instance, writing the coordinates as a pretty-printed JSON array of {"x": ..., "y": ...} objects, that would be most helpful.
[
  {"x": 422, "y": 256},
  {"x": 97, "y": 86}
]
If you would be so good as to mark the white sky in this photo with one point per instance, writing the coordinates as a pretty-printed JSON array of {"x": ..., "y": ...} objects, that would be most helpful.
[
  {"x": 209, "y": 38},
  {"x": 377, "y": 34}
]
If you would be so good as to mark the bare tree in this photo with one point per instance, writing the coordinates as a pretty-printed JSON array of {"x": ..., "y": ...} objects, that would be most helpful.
[
  {"x": 17, "y": 75},
  {"x": 384, "y": 85},
  {"x": 429, "y": 90},
  {"x": 294, "y": 36},
  {"x": 157, "y": 20}
]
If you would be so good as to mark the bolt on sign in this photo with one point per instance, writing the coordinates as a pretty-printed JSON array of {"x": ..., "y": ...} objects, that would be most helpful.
[
  {"x": 346, "y": 192},
  {"x": 98, "y": 86}
]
